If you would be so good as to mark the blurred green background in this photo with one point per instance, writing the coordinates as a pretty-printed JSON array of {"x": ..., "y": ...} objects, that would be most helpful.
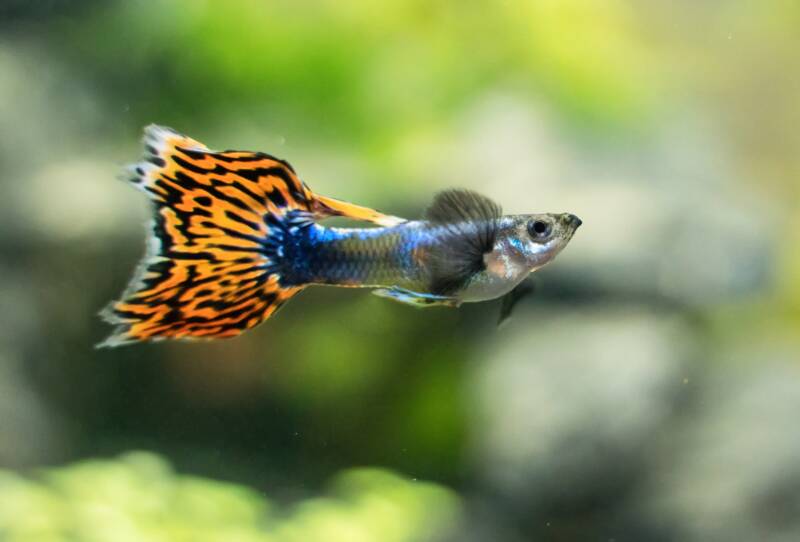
[{"x": 648, "y": 390}]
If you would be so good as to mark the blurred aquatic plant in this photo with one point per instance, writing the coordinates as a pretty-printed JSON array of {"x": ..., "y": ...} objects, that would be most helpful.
[
  {"x": 372, "y": 73},
  {"x": 139, "y": 497}
]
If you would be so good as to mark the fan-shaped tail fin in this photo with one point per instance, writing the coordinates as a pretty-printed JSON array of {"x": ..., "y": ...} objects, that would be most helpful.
[
  {"x": 212, "y": 267},
  {"x": 214, "y": 264}
]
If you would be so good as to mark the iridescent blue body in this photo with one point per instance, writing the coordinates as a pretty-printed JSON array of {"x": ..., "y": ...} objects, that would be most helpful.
[
  {"x": 403, "y": 256},
  {"x": 362, "y": 257}
]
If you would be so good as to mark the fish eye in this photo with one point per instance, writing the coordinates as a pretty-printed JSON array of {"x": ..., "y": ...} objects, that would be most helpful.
[{"x": 539, "y": 229}]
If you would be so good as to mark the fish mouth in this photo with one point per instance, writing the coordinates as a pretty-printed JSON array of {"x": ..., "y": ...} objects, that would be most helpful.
[
  {"x": 569, "y": 224},
  {"x": 574, "y": 221}
]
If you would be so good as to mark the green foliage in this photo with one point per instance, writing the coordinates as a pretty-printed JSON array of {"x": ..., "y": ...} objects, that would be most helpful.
[
  {"x": 370, "y": 72},
  {"x": 138, "y": 497}
]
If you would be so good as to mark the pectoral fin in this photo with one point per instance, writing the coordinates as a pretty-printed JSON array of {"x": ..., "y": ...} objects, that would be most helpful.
[{"x": 417, "y": 299}]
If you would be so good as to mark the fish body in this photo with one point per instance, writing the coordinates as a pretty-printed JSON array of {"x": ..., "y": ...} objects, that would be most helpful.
[
  {"x": 400, "y": 256},
  {"x": 235, "y": 234}
]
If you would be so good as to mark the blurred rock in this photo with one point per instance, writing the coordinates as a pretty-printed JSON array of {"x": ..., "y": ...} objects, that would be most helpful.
[
  {"x": 58, "y": 178},
  {"x": 731, "y": 470},
  {"x": 613, "y": 420},
  {"x": 567, "y": 399},
  {"x": 29, "y": 431},
  {"x": 569, "y": 402},
  {"x": 76, "y": 199}
]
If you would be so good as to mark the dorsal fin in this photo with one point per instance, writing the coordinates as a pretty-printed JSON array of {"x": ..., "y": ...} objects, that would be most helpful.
[
  {"x": 459, "y": 205},
  {"x": 471, "y": 222}
]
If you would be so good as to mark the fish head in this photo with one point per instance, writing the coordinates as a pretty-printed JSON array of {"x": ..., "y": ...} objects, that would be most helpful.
[
  {"x": 531, "y": 241},
  {"x": 522, "y": 244}
]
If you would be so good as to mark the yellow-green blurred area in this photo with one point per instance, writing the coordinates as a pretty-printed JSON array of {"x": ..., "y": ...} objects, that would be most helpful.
[
  {"x": 138, "y": 497},
  {"x": 647, "y": 390}
]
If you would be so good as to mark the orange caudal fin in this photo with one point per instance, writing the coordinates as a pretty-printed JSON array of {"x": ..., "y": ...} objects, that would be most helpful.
[{"x": 212, "y": 267}]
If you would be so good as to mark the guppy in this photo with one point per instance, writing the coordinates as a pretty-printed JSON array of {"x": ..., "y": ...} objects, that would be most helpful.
[{"x": 235, "y": 234}]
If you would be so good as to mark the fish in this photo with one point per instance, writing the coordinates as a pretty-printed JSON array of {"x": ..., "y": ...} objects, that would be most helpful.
[{"x": 236, "y": 234}]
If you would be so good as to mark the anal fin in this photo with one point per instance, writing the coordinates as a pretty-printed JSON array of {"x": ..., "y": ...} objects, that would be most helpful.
[{"x": 416, "y": 299}]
